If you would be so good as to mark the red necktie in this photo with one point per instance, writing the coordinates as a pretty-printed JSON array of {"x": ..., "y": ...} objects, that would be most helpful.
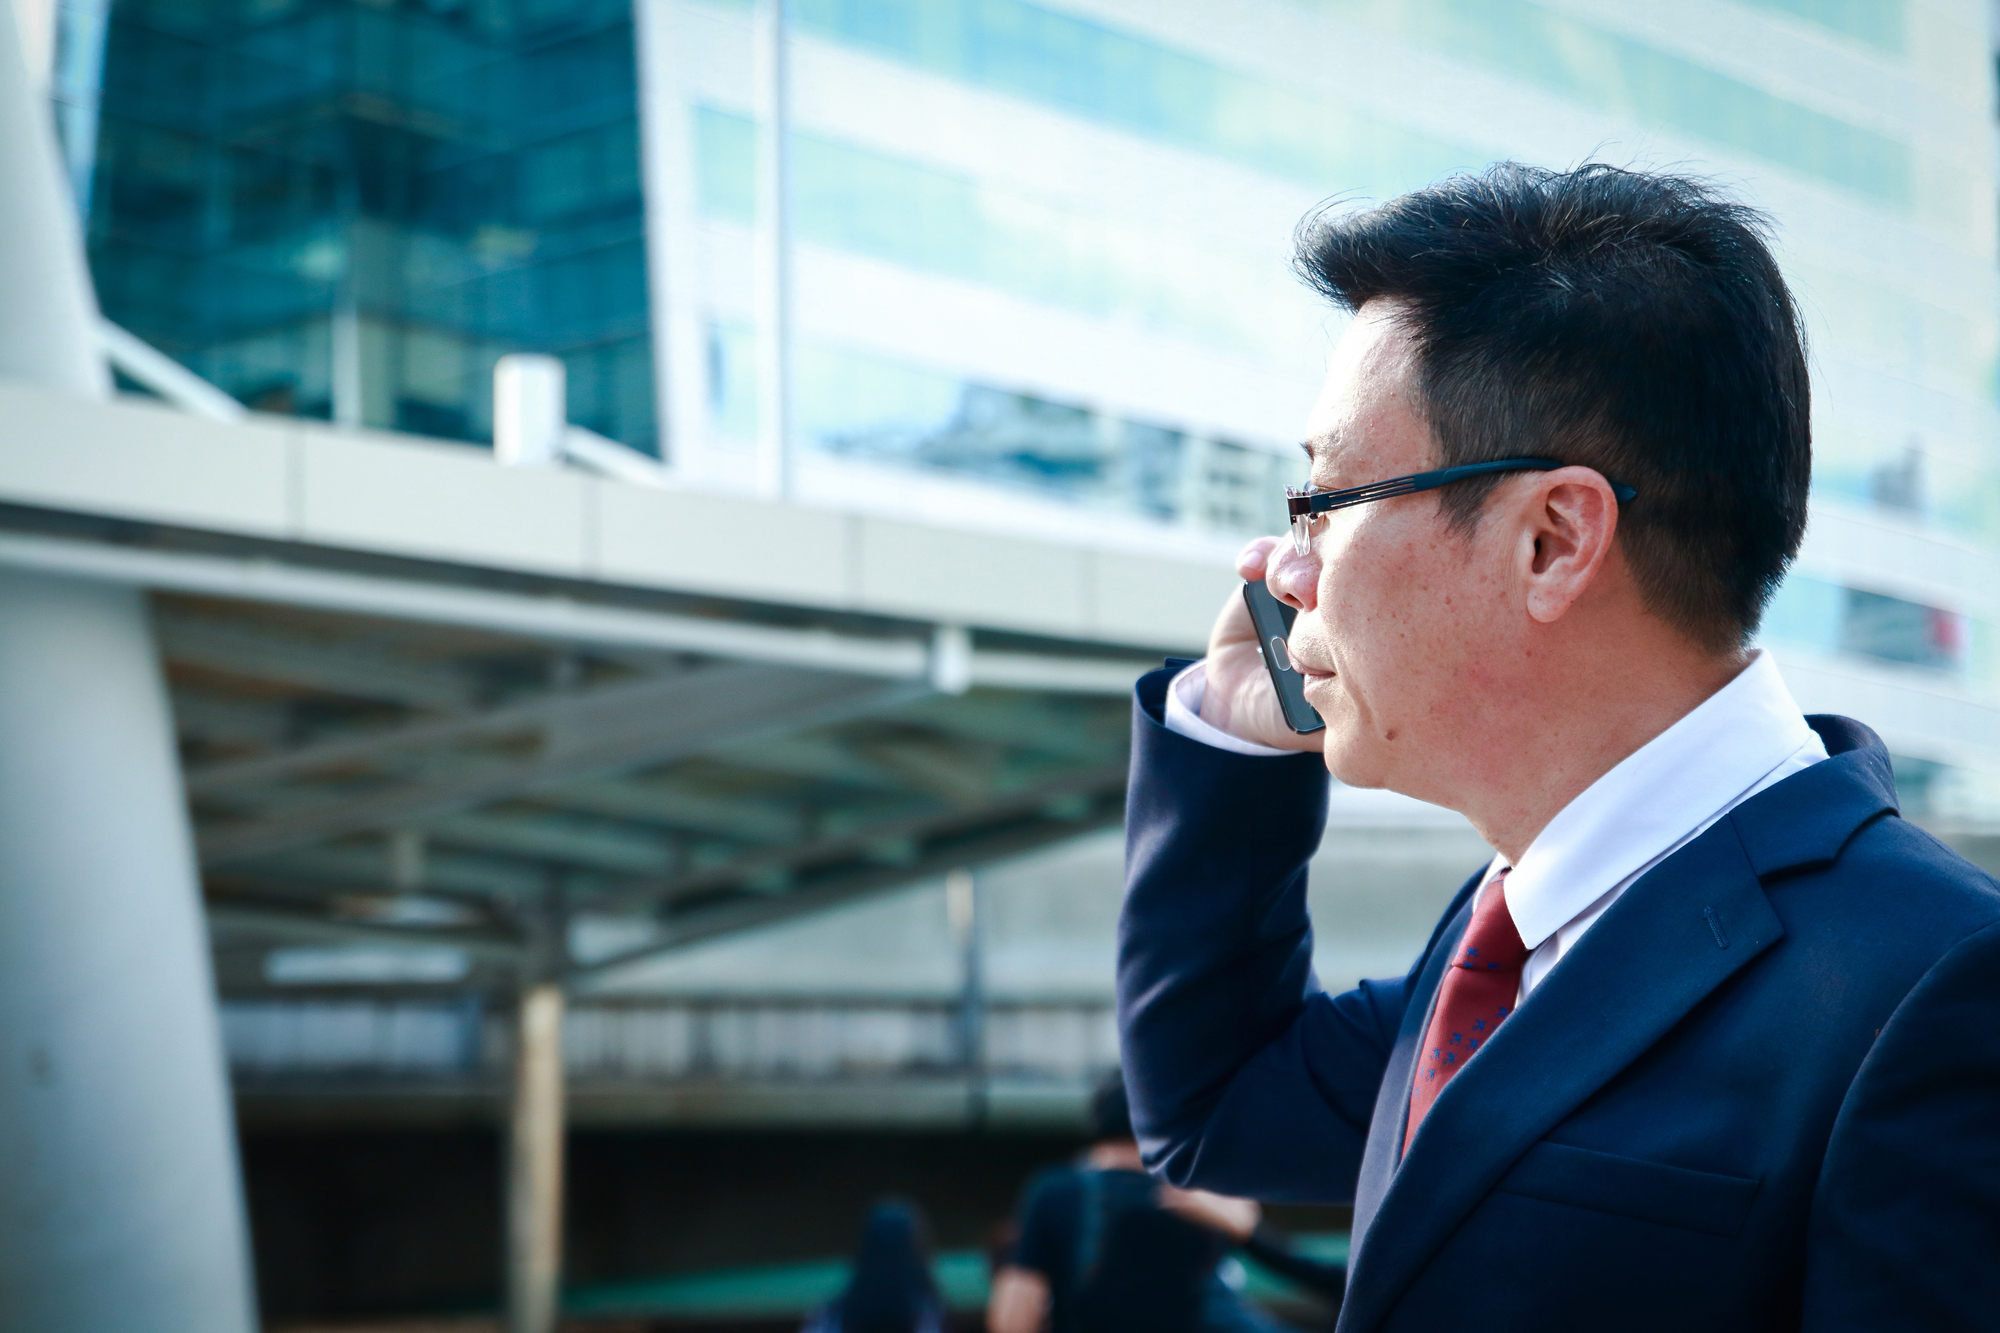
[{"x": 1479, "y": 990}]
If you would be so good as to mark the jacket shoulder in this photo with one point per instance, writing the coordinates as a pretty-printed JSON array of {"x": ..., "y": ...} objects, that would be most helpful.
[{"x": 1895, "y": 892}]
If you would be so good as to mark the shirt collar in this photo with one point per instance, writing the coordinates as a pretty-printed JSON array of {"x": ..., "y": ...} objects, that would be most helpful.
[{"x": 1656, "y": 796}]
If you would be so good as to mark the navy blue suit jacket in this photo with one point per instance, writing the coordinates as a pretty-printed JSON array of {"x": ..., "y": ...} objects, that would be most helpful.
[{"x": 1763, "y": 1092}]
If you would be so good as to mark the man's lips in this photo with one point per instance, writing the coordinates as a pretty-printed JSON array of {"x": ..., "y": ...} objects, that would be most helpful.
[{"x": 1312, "y": 671}]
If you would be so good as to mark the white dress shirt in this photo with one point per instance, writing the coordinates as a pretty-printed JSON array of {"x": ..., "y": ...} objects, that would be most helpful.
[{"x": 1743, "y": 738}]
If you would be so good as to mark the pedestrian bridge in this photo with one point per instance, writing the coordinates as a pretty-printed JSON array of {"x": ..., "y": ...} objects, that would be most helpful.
[{"x": 427, "y": 700}]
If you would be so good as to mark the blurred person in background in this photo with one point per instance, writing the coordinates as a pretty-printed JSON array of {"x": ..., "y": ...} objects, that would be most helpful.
[
  {"x": 1102, "y": 1247},
  {"x": 1242, "y": 1222},
  {"x": 892, "y": 1289}
]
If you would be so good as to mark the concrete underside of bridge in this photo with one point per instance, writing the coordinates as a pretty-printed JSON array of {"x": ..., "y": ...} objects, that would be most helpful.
[{"x": 467, "y": 725}]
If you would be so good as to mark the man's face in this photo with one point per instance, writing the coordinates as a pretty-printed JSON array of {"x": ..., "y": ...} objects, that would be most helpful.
[{"x": 1403, "y": 630}]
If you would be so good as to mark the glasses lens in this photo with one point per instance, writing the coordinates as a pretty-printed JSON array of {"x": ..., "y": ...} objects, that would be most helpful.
[{"x": 1302, "y": 541}]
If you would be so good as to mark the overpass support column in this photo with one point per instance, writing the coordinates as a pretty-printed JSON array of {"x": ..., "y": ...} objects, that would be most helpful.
[
  {"x": 120, "y": 1203},
  {"x": 535, "y": 1165}
]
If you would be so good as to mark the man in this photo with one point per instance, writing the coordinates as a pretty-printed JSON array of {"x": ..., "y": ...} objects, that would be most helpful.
[
  {"x": 1104, "y": 1248},
  {"x": 1714, "y": 1042}
]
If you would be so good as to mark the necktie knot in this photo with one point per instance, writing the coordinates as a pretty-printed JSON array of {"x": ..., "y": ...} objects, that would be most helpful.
[{"x": 1492, "y": 942}]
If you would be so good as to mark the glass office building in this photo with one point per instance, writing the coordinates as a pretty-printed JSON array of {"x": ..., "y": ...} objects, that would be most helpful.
[
  {"x": 351, "y": 211},
  {"x": 1042, "y": 249}
]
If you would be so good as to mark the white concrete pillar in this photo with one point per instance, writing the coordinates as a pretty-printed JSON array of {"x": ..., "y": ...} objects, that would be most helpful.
[
  {"x": 120, "y": 1205},
  {"x": 530, "y": 410},
  {"x": 48, "y": 313},
  {"x": 535, "y": 1165}
]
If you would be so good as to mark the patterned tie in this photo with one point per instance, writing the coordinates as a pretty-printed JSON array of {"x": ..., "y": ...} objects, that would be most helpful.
[{"x": 1479, "y": 990}]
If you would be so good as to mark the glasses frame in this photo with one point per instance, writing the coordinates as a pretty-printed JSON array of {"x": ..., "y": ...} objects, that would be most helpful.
[{"x": 1301, "y": 506}]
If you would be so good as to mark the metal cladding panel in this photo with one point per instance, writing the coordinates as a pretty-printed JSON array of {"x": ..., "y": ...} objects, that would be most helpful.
[
  {"x": 1170, "y": 603},
  {"x": 972, "y": 578},
  {"x": 723, "y": 544},
  {"x": 448, "y": 502},
  {"x": 133, "y": 459}
]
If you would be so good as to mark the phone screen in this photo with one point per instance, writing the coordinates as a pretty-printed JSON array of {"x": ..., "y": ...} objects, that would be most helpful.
[{"x": 1273, "y": 620}]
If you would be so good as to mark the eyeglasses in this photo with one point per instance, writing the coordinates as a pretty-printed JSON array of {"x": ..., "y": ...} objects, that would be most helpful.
[{"x": 1304, "y": 506}]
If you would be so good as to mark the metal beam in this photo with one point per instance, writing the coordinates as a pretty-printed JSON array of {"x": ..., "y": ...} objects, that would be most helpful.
[
  {"x": 709, "y": 708},
  {"x": 617, "y": 849},
  {"x": 1055, "y": 801},
  {"x": 337, "y": 667},
  {"x": 290, "y": 923},
  {"x": 542, "y": 711},
  {"x": 552, "y": 617},
  {"x": 549, "y": 617},
  {"x": 1063, "y": 727},
  {"x": 943, "y": 845},
  {"x": 672, "y": 805},
  {"x": 214, "y": 717},
  {"x": 815, "y": 759},
  {"x": 355, "y": 867}
]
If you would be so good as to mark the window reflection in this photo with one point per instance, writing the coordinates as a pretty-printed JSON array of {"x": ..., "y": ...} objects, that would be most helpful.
[
  {"x": 935, "y": 221},
  {"x": 1827, "y": 617},
  {"x": 873, "y": 409}
]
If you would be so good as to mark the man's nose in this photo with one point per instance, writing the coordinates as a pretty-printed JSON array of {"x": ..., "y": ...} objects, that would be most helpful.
[{"x": 1292, "y": 578}]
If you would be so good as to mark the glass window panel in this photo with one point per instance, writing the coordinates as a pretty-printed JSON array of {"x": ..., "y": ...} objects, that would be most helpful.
[
  {"x": 1893, "y": 630},
  {"x": 875, "y": 409},
  {"x": 1614, "y": 73},
  {"x": 912, "y": 214},
  {"x": 1879, "y": 23},
  {"x": 1148, "y": 88},
  {"x": 1141, "y": 86},
  {"x": 725, "y": 164},
  {"x": 1826, "y": 617}
]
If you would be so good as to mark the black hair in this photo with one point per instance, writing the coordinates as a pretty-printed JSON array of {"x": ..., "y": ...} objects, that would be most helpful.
[
  {"x": 1628, "y": 321},
  {"x": 891, "y": 1289},
  {"x": 1110, "y": 1110}
]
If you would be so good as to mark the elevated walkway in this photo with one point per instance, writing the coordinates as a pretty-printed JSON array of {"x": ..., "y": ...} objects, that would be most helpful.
[{"x": 424, "y": 699}]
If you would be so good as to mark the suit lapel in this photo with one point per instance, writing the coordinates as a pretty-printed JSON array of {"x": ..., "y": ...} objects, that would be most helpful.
[
  {"x": 1384, "y": 1148},
  {"x": 1671, "y": 939}
]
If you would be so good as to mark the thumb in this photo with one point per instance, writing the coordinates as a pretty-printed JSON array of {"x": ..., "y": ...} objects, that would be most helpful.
[{"x": 1254, "y": 559}]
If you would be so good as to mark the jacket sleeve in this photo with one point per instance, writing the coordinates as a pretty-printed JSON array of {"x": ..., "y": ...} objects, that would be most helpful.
[
  {"x": 1905, "y": 1222},
  {"x": 1244, "y": 1078}
]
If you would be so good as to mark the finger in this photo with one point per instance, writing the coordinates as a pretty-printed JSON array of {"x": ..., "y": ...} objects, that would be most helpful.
[{"x": 1253, "y": 558}]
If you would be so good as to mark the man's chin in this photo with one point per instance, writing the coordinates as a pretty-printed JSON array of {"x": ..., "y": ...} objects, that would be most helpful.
[{"x": 1347, "y": 762}]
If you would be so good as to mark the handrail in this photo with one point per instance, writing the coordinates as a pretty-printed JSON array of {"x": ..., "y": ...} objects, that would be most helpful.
[{"x": 165, "y": 376}]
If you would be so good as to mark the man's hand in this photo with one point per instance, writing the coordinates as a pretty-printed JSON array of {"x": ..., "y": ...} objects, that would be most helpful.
[
  {"x": 1234, "y": 1218},
  {"x": 1019, "y": 1303},
  {"x": 1240, "y": 698}
]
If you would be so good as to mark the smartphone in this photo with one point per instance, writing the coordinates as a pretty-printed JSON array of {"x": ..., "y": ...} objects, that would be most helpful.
[{"x": 1273, "y": 620}]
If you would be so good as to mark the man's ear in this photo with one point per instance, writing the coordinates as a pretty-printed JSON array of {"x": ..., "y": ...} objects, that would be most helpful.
[{"x": 1570, "y": 522}]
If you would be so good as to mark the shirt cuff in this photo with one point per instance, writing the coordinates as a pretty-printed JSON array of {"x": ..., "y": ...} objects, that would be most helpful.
[{"x": 1184, "y": 695}]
